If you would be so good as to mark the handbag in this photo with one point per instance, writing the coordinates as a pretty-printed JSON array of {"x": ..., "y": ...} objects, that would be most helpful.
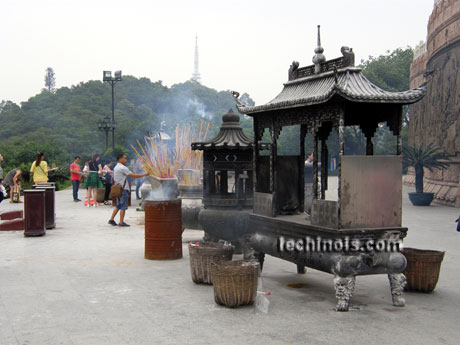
[
  {"x": 117, "y": 190},
  {"x": 103, "y": 179},
  {"x": 16, "y": 194}
]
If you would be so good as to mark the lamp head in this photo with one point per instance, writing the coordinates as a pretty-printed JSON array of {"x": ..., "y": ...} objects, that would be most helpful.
[{"x": 107, "y": 76}]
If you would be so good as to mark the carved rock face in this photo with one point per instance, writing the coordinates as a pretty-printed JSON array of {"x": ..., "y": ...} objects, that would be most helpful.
[
  {"x": 435, "y": 118},
  {"x": 344, "y": 287}
]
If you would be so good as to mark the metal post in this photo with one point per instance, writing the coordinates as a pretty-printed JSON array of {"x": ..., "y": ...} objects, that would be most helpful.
[
  {"x": 303, "y": 133},
  {"x": 341, "y": 135},
  {"x": 113, "y": 117},
  {"x": 315, "y": 162},
  {"x": 106, "y": 137},
  {"x": 399, "y": 136},
  {"x": 273, "y": 166},
  {"x": 255, "y": 154},
  {"x": 324, "y": 168}
]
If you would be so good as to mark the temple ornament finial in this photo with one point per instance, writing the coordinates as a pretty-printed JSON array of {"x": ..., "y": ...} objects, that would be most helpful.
[
  {"x": 319, "y": 57},
  {"x": 236, "y": 96},
  {"x": 348, "y": 56}
]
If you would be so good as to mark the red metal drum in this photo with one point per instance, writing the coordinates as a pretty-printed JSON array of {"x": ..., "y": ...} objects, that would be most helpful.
[{"x": 163, "y": 230}]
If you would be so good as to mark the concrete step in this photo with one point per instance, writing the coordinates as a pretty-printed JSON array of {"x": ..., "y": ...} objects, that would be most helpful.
[
  {"x": 11, "y": 215},
  {"x": 12, "y": 225}
]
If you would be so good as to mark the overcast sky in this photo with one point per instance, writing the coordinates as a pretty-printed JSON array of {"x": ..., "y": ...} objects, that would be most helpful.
[{"x": 244, "y": 45}]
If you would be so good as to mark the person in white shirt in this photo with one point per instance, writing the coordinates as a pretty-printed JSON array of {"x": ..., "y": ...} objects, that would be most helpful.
[{"x": 120, "y": 176}]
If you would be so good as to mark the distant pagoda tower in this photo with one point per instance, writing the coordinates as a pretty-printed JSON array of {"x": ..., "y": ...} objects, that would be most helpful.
[{"x": 196, "y": 74}]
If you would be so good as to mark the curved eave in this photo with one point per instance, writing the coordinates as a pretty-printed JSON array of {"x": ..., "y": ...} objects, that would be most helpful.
[
  {"x": 209, "y": 146},
  {"x": 351, "y": 85},
  {"x": 309, "y": 102},
  {"x": 228, "y": 138}
]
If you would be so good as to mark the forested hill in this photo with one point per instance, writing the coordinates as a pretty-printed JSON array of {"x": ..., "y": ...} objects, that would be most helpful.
[{"x": 65, "y": 122}]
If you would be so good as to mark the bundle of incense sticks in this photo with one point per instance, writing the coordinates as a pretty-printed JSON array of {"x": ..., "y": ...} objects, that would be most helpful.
[
  {"x": 155, "y": 158},
  {"x": 185, "y": 157}
]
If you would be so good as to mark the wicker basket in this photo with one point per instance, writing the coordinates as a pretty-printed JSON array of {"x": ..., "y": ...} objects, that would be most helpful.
[
  {"x": 422, "y": 271},
  {"x": 203, "y": 256},
  {"x": 235, "y": 282}
]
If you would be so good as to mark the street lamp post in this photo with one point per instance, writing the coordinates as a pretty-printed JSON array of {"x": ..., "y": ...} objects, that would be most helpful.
[{"x": 106, "y": 124}]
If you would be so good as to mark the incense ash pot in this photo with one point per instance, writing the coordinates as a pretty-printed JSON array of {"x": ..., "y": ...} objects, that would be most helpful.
[{"x": 167, "y": 187}]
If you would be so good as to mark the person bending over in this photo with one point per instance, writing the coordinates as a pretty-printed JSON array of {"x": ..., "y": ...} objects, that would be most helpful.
[{"x": 13, "y": 180}]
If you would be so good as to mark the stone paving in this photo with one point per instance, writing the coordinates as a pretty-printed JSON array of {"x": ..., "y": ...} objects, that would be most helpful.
[{"x": 87, "y": 282}]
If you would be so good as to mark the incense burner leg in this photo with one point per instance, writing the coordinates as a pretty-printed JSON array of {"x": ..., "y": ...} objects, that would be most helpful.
[
  {"x": 301, "y": 269},
  {"x": 260, "y": 257},
  {"x": 344, "y": 287},
  {"x": 209, "y": 238},
  {"x": 397, "y": 283},
  {"x": 245, "y": 245}
]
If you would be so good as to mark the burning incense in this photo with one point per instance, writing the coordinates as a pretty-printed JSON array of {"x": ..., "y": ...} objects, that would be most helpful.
[
  {"x": 186, "y": 161},
  {"x": 156, "y": 159}
]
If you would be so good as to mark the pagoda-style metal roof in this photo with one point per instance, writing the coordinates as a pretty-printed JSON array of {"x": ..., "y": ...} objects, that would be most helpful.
[
  {"x": 325, "y": 80},
  {"x": 230, "y": 136},
  {"x": 348, "y": 83}
]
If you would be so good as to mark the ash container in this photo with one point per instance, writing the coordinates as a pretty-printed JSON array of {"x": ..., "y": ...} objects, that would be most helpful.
[{"x": 163, "y": 229}]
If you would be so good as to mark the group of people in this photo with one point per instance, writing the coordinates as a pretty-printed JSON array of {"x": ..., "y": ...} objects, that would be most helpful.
[
  {"x": 93, "y": 174},
  {"x": 38, "y": 169}
]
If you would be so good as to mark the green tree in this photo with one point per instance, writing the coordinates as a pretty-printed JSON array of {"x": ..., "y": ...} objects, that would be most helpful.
[
  {"x": 67, "y": 119},
  {"x": 390, "y": 72},
  {"x": 421, "y": 157},
  {"x": 50, "y": 80}
]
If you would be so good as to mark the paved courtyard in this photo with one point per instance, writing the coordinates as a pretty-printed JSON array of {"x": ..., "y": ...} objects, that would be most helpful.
[{"x": 87, "y": 282}]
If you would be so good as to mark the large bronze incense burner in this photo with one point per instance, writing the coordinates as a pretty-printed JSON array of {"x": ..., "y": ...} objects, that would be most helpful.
[
  {"x": 326, "y": 96},
  {"x": 227, "y": 184}
]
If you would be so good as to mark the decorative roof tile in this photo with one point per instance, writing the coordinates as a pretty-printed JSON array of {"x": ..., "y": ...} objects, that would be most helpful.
[
  {"x": 230, "y": 135},
  {"x": 348, "y": 82}
]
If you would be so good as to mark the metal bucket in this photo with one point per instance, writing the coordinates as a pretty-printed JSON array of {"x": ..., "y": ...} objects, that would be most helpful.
[
  {"x": 163, "y": 230},
  {"x": 166, "y": 187}
]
